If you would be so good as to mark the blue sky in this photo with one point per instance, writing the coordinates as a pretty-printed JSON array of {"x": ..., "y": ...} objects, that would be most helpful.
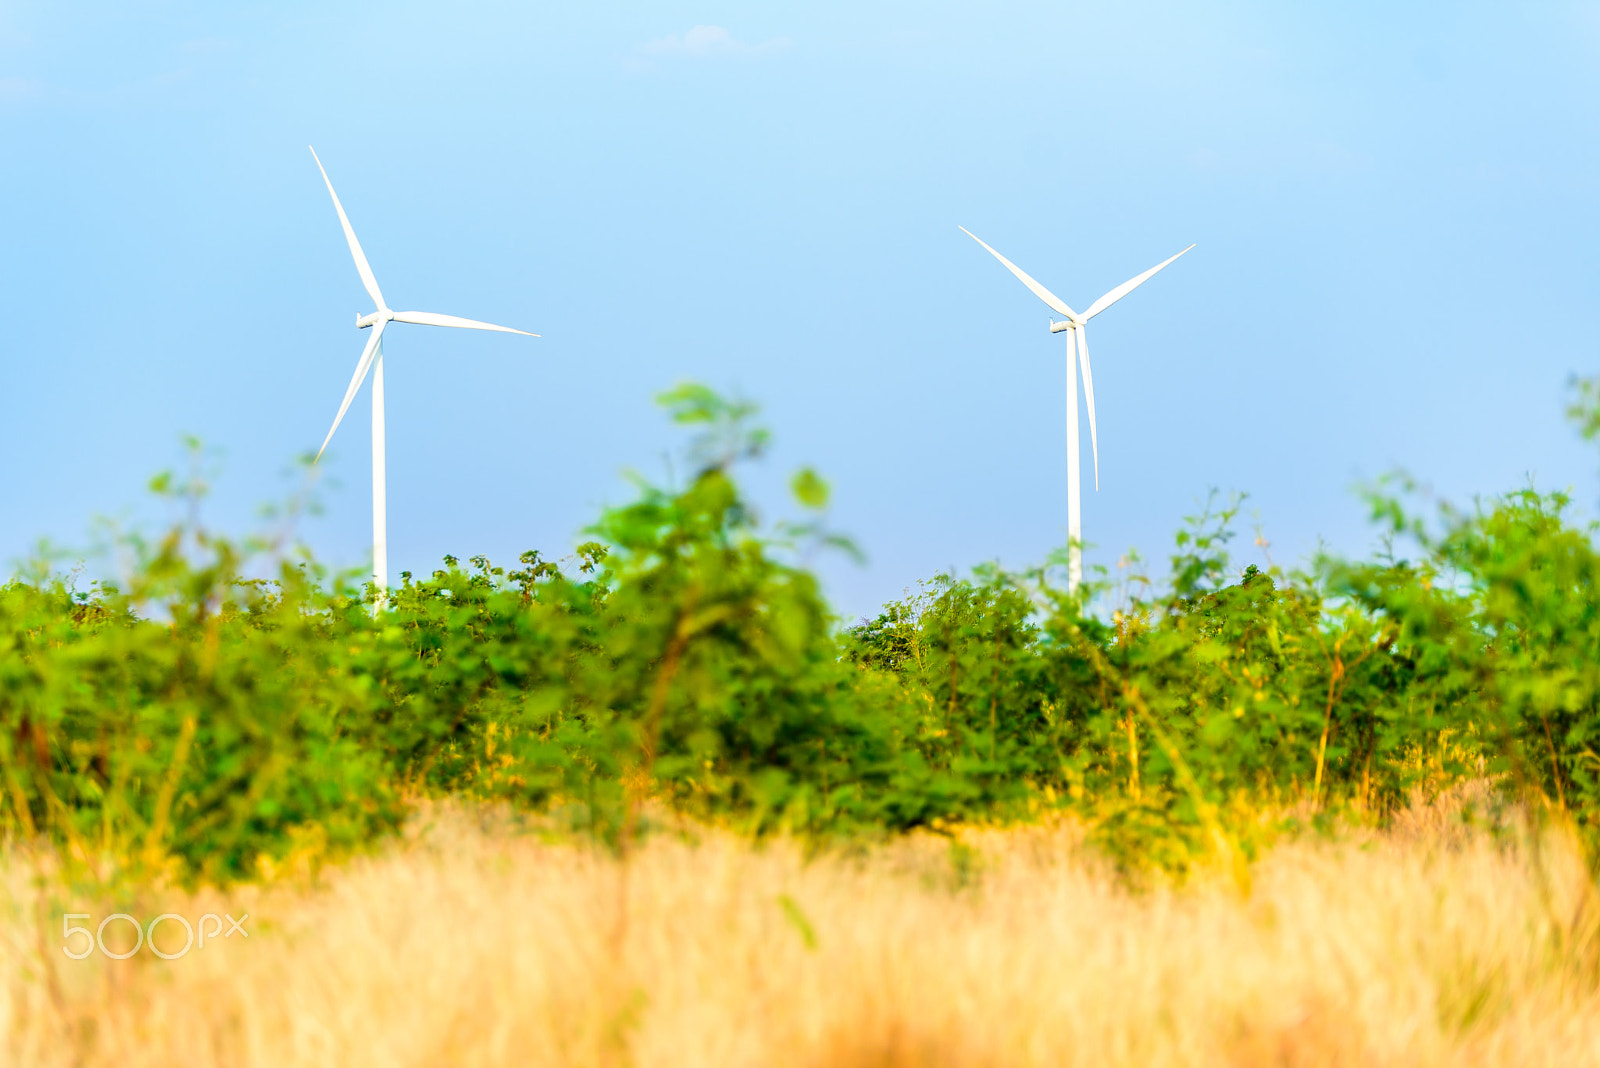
[{"x": 1394, "y": 206}]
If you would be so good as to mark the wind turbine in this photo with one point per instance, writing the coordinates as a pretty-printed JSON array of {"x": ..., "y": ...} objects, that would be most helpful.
[
  {"x": 372, "y": 359},
  {"x": 1077, "y": 343}
]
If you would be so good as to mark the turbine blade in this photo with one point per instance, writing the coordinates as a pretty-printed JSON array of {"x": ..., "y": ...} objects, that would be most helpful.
[
  {"x": 362, "y": 367},
  {"x": 363, "y": 268},
  {"x": 435, "y": 319},
  {"x": 1055, "y": 302},
  {"x": 1125, "y": 288},
  {"x": 1088, "y": 393}
]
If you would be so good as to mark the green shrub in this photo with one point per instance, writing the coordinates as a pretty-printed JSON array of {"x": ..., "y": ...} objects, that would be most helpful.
[{"x": 215, "y": 724}]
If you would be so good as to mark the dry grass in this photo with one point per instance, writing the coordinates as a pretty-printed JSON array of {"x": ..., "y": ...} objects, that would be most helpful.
[{"x": 470, "y": 945}]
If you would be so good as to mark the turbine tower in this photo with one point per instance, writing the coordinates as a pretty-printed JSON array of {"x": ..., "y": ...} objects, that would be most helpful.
[
  {"x": 1077, "y": 344},
  {"x": 372, "y": 359}
]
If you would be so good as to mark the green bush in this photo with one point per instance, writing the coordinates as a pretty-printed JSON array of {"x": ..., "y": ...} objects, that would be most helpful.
[{"x": 215, "y": 725}]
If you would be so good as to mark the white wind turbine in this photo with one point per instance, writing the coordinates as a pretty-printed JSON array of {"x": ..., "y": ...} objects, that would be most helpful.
[
  {"x": 372, "y": 359},
  {"x": 1077, "y": 343}
]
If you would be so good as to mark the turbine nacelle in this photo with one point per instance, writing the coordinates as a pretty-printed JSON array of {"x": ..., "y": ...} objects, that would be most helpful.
[
  {"x": 1064, "y": 324},
  {"x": 364, "y": 321}
]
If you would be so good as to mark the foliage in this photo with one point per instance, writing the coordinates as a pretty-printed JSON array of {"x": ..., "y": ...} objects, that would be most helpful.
[{"x": 227, "y": 707}]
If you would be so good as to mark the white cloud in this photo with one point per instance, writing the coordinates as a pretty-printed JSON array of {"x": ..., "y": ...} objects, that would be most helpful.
[{"x": 703, "y": 42}]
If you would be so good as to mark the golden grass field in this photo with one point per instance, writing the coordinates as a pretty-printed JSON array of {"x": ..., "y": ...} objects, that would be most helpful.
[{"x": 467, "y": 943}]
